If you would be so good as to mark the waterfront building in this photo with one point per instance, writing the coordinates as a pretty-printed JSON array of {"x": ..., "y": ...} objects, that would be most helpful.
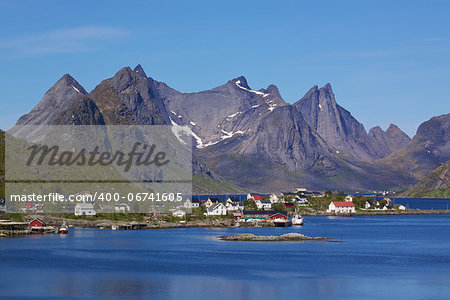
[
  {"x": 341, "y": 207},
  {"x": 85, "y": 209}
]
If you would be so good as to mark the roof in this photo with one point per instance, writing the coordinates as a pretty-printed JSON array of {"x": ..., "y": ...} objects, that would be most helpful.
[
  {"x": 85, "y": 205},
  {"x": 264, "y": 212},
  {"x": 256, "y": 197},
  {"x": 37, "y": 219},
  {"x": 343, "y": 204},
  {"x": 214, "y": 206},
  {"x": 274, "y": 212},
  {"x": 288, "y": 193}
]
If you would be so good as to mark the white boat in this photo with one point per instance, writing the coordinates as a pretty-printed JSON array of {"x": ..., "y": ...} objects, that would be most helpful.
[
  {"x": 64, "y": 229},
  {"x": 297, "y": 220}
]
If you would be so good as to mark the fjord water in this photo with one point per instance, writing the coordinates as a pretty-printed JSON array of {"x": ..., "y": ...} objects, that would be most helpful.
[{"x": 404, "y": 257}]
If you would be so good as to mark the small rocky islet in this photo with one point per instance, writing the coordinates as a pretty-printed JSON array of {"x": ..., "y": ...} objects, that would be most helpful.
[{"x": 288, "y": 237}]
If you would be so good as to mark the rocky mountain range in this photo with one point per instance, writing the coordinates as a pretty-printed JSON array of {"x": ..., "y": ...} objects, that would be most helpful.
[{"x": 253, "y": 138}]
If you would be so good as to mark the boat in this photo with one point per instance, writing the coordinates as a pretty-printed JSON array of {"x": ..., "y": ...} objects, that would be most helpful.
[
  {"x": 297, "y": 220},
  {"x": 64, "y": 229},
  {"x": 280, "y": 222}
]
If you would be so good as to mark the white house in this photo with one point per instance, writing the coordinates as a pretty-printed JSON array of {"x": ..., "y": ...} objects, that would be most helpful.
[
  {"x": 301, "y": 200},
  {"x": 217, "y": 209},
  {"x": 341, "y": 207},
  {"x": 121, "y": 208},
  {"x": 211, "y": 201},
  {"x": 273, "y": 198},
  {"x": 401, "y": 207},
  {"x": 349, "y": 198},
  {"x": 233, "y": 204},
  {"x": 301, "y": 190},
  {"x": 253, "y": 196},
  {"x": 263, "y": 204},
  {"x": 85, "y": 209},
  {"x": 190, "y": 204},
  {"x": 178, "y": 213}
]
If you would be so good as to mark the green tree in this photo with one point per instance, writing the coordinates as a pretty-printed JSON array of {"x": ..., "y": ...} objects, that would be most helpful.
[
  {"x": 277, "y": 206},
  {"x": 249, "y": 204}
]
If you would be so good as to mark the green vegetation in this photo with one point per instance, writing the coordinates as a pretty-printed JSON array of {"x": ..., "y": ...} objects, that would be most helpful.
[
  {"x": 2, "y": 164},
  {"x": 249, "y": 204},
  {"x": 435, "y": 185},
  {"x": 322, "y": 203},
  {"x": 15, "y": 217},
  {"x": 208, "y": 185}
]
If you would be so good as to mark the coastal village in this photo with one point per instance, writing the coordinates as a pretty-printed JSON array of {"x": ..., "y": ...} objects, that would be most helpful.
[{"x": 253, "y": 209}]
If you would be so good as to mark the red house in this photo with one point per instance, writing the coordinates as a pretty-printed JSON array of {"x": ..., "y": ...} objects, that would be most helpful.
[
  {"x": 278, "y": 215},
  {"x": 37, "y": 223}
]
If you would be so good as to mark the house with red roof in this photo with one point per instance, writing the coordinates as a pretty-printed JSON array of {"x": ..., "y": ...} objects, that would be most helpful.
[
  {"x": 253, "y": 196},
  {"x": 341, "y": 207}
]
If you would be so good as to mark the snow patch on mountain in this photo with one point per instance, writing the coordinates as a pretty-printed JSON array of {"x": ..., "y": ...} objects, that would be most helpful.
[{"x": 238, "y": 82}]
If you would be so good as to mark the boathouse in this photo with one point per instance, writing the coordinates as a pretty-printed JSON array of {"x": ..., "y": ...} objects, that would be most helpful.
[{"x": 36, "y": 222}]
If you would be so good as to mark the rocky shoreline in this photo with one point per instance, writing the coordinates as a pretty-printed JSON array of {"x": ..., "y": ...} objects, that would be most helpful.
[
  {"x": 204, "y": 223},
  {"x": 381, "y": 213},
  {"x": 288, "y": 237}
]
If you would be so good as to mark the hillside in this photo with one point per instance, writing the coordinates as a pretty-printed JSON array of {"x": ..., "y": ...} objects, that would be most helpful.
[{"x": 436, "y": 184}]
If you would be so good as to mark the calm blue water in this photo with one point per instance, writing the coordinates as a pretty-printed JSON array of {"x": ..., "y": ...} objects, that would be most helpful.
[
  {"x": 403, "y": 257},
  {"x": 423, "y": 203}
]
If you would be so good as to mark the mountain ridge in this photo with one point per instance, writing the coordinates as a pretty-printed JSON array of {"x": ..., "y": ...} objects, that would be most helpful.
[{"x": 313, "y": 142}]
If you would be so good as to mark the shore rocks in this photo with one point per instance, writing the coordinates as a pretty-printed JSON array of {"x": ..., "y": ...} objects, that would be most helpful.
[{"x": 288, "y": 237}]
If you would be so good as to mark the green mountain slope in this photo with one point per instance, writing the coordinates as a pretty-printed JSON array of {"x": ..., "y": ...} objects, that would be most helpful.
[{"x": 436, "y": 184}]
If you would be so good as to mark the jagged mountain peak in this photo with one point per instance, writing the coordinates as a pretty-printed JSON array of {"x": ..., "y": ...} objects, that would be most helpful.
[
  {"x": 394, "y": 130},
  {"x": 272, "y": 89},
  {"x": 57, "y": 99},
  {"x": 319, "y": 95},
  {"x": 129, "y": 98},
  {"x": 327, "y": 87},
  {"x": 140, "y": 71},
  {"x": 393, "y": 126},
  {"x": 68, "y": 81},
  {"x": 240, "y": 81},
  {"x": 375, "y": 129}
]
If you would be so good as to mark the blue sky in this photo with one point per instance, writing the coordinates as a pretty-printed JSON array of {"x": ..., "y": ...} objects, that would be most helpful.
[{"x": 387, "y": 61}]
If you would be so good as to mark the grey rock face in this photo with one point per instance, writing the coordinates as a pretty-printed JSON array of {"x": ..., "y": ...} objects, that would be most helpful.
[
  {"x": 429, "y": 148},
  {"x": 140, "y": 71},
  {"x": 395, "y": 134},
  {"x": 342, "y": 132},
  {"x": 56, "y": 100},
  {"x": 382, "y": 143},
  {"x": 434, "y": 136},
  {"x": 285, "y": 138},
  {"x": 215, "y": 114},
  {"x": 337, "y": 126},
  {"x": 127, "y": 99},
  {"x": 82, "y": 111}
]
